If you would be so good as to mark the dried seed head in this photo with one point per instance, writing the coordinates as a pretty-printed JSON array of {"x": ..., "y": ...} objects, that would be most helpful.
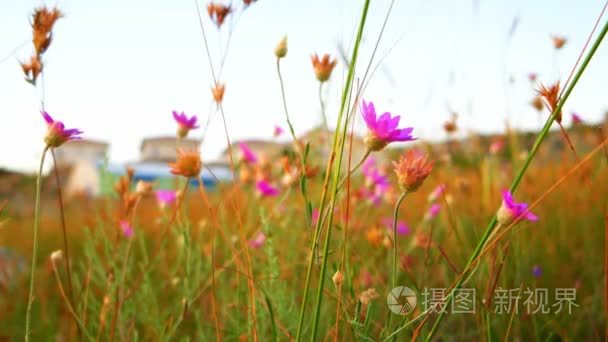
[
  {"x": 41, "y": 41},
  {"x": 44, "y": 18},
  {"x": 551, "y": 96},
  {"x": 32, "y": 69},
  {"x": 218, "y": 13}
]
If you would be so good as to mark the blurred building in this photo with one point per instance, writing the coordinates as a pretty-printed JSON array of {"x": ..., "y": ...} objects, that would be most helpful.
[
  {"x": 267, "y": 149},
  {"x": 157, "y": 152},
  {"x": 164, "y": 149},
  {"x": 320, "y": 142},
  {"x": 78, "y": 163}
]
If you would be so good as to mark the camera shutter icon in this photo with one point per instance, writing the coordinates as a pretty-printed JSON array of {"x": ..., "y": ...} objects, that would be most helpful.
[{"x": 404, "y": 306}]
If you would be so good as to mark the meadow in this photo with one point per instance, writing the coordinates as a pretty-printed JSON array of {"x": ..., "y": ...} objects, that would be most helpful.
[{"x": 498, "y": 237}]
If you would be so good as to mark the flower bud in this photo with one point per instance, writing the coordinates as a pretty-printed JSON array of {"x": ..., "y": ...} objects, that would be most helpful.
[
  {"x": 337, "y": 278},
  {"x": 56, "y": 255},
  {"x": 281, "y": 50}
]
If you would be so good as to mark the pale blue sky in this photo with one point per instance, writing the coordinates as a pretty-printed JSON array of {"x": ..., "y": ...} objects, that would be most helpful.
[{"x": 117, "y": 69}]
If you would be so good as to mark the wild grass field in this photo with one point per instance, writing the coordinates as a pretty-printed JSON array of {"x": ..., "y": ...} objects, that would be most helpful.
[{"x": 494, "y": 237}]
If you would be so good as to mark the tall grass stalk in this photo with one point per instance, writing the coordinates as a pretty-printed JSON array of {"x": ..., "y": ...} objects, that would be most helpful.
[
  {"x": 250, "y": 278},
  {"x": 30, "y": 300},
  {"x": 79, "y": 322},
  {"x": 332, "y": 156},
  {"x": 337, "y": 168},
  {"x": 63, "y": 230},
  {"x": 342, "y": 269},
  {"x": 522, "y": 171}
]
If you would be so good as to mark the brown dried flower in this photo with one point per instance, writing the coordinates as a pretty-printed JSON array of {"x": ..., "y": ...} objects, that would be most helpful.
[
  {"x": 188, "y": 164},
  {"x": 558, "y": 41},
  {"x": 218, "y": 92},
  {"x": 323, "y": 67},
  {"x": 41, "y": 41},
  {"x": 218, "y": 13},
  {"x": 44, "y": 18},
  {"x": 537, "y": 103},
  {"x": 32, "y": 69},
  {"x": 551, "y": 96}
]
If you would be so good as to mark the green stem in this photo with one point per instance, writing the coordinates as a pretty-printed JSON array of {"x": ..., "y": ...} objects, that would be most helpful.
[
  {"x": 323, "y": 114},
  {"x": 343, "y": 181},
  {"x": 30, "y": 300},
  {"x": 345, "y": 93},
  {"x": 394, "y": 270},
  {"x": 119, "y": 298},
  {"x": 326, "y": 213},
  {"x": 350, "y": 173},
  {"x": 64, "y": 230},
  {"x": 524, "y": 167},
  {"x": 395, "y": 215},
  {"x": 336, "y": 175},
  {"x": 320, "y": 223},
  {"x": 291, "y": 130}
]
